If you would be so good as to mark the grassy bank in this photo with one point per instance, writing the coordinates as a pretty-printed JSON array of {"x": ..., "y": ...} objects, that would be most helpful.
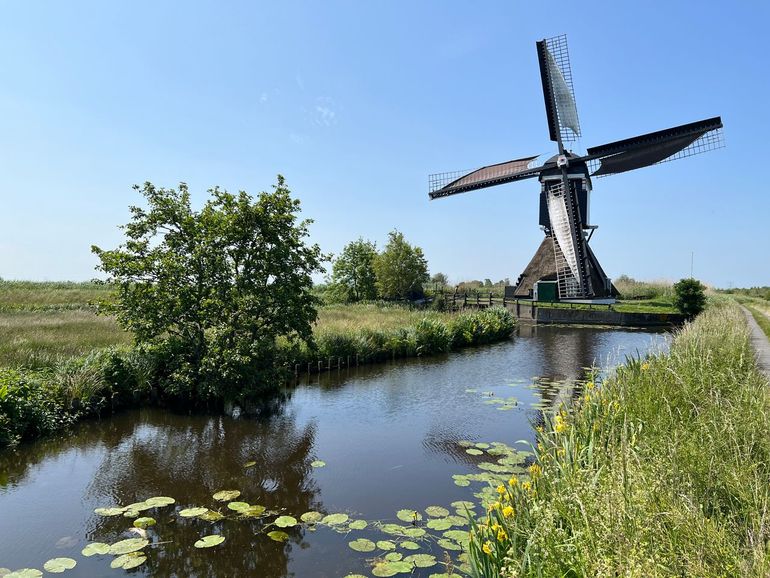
[
  {"x": 663, "y": 470},
  {"x": 60, "y": 362}
]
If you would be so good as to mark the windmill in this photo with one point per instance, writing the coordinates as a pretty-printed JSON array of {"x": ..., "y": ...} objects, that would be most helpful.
[{"x": 564, "y": 255}]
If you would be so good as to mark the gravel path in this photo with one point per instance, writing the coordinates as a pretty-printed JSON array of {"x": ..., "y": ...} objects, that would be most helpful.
[{"x": 760, "y": 343}]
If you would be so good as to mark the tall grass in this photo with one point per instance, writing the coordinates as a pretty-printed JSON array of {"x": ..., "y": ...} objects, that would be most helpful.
[
  {"x": 630, "y": 288},
  {"x": 664, "y": 470}
]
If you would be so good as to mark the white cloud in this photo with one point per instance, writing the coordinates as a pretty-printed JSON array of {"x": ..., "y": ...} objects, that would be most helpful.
[
  {"x": 324, "y": 113},
  {"x": 263, "y": 98}
]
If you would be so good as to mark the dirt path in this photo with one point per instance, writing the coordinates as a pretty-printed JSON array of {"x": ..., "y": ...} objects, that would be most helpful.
[{"x": 760, "y": 343}]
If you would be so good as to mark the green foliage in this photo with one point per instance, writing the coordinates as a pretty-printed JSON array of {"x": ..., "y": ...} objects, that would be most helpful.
[
  {"x": 401, "y": 269},
  {"x": 663, "y": 470},
  {"x": 212, "y": 290},
  {"x": 353, "y": 272},
  {"x": 431, "y": 337},
  {"x": 689, "y": 296},
  {"x": 631, "y": 289}
]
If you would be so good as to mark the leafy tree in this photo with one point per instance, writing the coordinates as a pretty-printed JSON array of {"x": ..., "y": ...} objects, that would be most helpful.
[
  {"x": 353, "y": 271},
  {"x": 400, "y": 269},
  {"x": 689, "y": 296},
  {"x": 440, "y": 279},
  {"x": 212, "y": 290}
]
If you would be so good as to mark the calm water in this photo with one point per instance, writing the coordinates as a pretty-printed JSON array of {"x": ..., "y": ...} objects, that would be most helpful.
[{"x": 388, "y": 435}]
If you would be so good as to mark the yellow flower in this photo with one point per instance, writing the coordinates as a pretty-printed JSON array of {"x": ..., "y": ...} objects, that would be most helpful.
[
  {"x": 501, "y": 489},
  {"x": 501, "y": 535},
  {"x": 645, "y": 366},
  {"x": 590, "y": 385},
  {"x": 535, "y": 470},
  {"x": 526, "y": 486},
  {"x": 508, "y": 511},
  {"x": 513, "y": 481},
  {"x": 493, "y": 506},
  {"x": 487, "y": 547},
  {"x": 559, "y": 425}
]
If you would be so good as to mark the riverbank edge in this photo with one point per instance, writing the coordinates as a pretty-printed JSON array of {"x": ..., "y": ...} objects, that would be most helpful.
[
  {"x": 40, "y": 402},
  {"x": 662, "y": 470}
]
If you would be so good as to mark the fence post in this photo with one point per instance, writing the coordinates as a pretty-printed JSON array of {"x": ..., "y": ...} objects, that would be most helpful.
[{"x": 490, "y": 298}]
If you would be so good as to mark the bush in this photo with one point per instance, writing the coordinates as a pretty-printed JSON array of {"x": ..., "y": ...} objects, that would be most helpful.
[
  {"x": 431, "y": 336},
  {"x": 689, "y": 297}
]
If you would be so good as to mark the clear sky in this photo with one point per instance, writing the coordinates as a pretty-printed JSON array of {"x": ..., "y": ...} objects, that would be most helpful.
[{"x": 357, "y": 102}]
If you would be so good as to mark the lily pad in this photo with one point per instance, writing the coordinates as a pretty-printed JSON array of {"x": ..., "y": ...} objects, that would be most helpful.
[
  {"x": 252, "y": 511},
  {"x": 278, "y": 536},
  {"x": 334, "y": 519},
  {"x": 115, "y": 511},
  {"x": 95, "y": 548},
  {"x": 211, "y": 516},
  {"x": 317, "y": 464},
  {"x": 25, "y": 573},
  {"x": 448, "y": 544},
  {"x": 159, "y": 501},
  {"x": 421, "y": 560},
  {"x": 127, "y": 546},
  {"x": 144, "y": 522},
  {"x": 473, "y": 452},
  {"x": 358, "y": 524},
  {"x": 362, "y": 545},
  {"x": 393, "y": 556},
  {"x": 436, "y": 511},
  {"x": 459, "y": 536},
  {"x": 439, "y": 524},
  {"x": 193, "y": 512},
  {"x": 249, "y": 464},
  {"x": 239, "y": 506},
  {"x": 414, "y": 532},
  {"x": 386, "y": 545},
  {"x": 286, "y": 521},
  {"x": 311, "y": 517},
  {"x": 226, "y": 495},
  {"x": 409, "y": 515},
  {"x": 59, "y": 565},
  {"x": 128, "y": 561},
  {"x": 209, "y": 541},
  {"x": 386, "y": 568},
  {"x": 139, "y": 506},
  {"x": 409, "y": 545},
  {"x": 462, "y": 505}
]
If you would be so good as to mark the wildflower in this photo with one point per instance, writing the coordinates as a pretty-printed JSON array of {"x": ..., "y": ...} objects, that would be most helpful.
[
  {"x": 513, "y": 481},
  {"x": 526, "y": 486},
  {"x": 487, "y": 547},
  {"x": 535, "y": 470},
  {"x": 590, "y": 385},
  {"x": 501, "y": 535},
  {"x": 493, "y": 506},
  {"x": 645, "y": 366},
  {"x": 501, "y": 489},
  {"x": 508, "y": 511},
  {"x": 559, "y": 425}
]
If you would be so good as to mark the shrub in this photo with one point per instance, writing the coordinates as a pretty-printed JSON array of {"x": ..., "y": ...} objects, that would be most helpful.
[
  {"x": 689, "y": 297},
  {"x": 431, "y": 336}
]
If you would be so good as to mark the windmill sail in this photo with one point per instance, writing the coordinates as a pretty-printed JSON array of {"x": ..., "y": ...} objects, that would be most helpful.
[
  {"x": 559, "y": 95},
  {"x": 657, "y": 147},
  {"x": 565, "y": 100},
  {"x": 445, "y": 184}
]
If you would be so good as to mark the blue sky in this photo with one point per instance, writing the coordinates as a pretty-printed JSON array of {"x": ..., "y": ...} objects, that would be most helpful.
[{"x": 357, "y": 102}]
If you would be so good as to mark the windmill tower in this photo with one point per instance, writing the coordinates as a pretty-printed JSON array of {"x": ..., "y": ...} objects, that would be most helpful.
[{"x": 565, "y": 180}]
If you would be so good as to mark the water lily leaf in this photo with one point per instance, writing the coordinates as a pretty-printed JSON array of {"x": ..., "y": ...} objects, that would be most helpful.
[
  {"x": 128, "y": 561},
  {"x": 252, "y": 511},
  {"x": 278, "y": 536},
  {"x": 414, "y": 532},
  {"x": 211, "y": 516},
  {"x": 159, "y": 501},
  {"x": 362, "y": 545},
  {"x": 358, "y": 524},
  {"x": 226, "y": 495},
  {"x": 127, "y": 546},
  {"x": 144, "y": 522},
  {"x": 249, "y": 464},
  {"x": 209, "y": 541},
  {"x": 348, "y": 576},
  {"x": 409, "y": 545},
  {"x": 286, "y": 521},
  {"x": 473, "y": 452},
  {"x": 193, "y": 512},
  {"x": 25, "y": 573},
  {"x": 95, "y": 548},
  {"x": 482, "y": 445},
  {"x": 436, "y": 511},
  {"x": 318, "y": 464},
  {"x": 409, "y": 515},
  {"x": 386, "y": 545},
  {"x": 334, "y": 519},
  {"x": 448, "y": 544},
  {"x": 393, "y": 529},
  {"x": 386, "y": 568},
  {"x": 461, "y": 480},
  {"x": 421, "y": 560},
  {"x": 59, "y": 565},
  {"x": 466, "y": 443},
  {"x": 459, "y": 536},
  {"x": 5, "y": 571},
  {"x": 439, "y": 524},
  {"x": 393, "y": 556},
  {"x": 311, "y": 517},
  {"x": 115, "y": 511},
  {"x": 139, "y": 506},
  {"x": 462, "y": 505},
  {"x": 457, "y": 520},
  {"x": 239, "y": 506}
]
